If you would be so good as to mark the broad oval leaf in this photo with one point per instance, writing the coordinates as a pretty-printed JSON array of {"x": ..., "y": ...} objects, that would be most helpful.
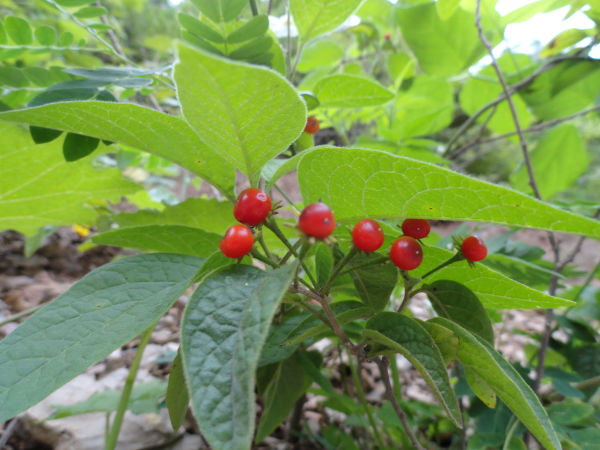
[
  {"x": 315, "y": 17},
  {"x": 162, "y": 238},
  {"x": 479, "y": 357},
  {"x": 409, "y": 338},
  {"x": 374, "y": 284},
  {"x": 248, "y": 114},
  {"x": 360, "y": 183},
  {"x": 458, "y": 303},
  {"x": 350, "y": 91},
  {"x": 222, "y": 333},
  {"x": 160, "y": 134},
  {"x": 18, "y": 30},
  {"x": 104, "y": 310}
]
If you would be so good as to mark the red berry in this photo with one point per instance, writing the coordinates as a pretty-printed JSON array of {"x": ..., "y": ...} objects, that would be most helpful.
[
  {"x": 317, "y": 220},
  {"x": 406, "y": 253},
  {"x": 252, "y": 207},
  {"x": 387, "y": 36},
  {"x": 474, "y": 248},
  {"x": 312, "y": 125},
  {"x": 237, "y": 242},
  {"x": 367, "y": 235},
  {"x": 416, "y": 228}
]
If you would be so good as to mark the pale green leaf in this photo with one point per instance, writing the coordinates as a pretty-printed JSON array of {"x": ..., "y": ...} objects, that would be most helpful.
[
  {"x": 480, "y": 388},
  {"x": 223, "y": 330},
  {"x": 477, "y": 355},
  {"x": 160, "y": 134},
  {"x": 248, "y": 114},
  {"x": 445, "y": 8},
  {"x": 104, "y": 310},
  {"x": 220, "y": 10},
  {"x": 358, "y": 183},
  {"x": 409, "y": 338},
  {"x": 558, "y": 160},
  {"x": 18, "y": 30},
  {"x": 162, "y": 238},
  {"x": 40, "y": 188},
  {"x": 322, "y": 53},
  {"x": 315, "y": 17},
  {"x": 350, "y": 91}
]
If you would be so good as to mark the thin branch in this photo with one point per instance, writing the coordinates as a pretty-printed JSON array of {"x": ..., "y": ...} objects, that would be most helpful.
[
  {"x": 382, "y": 363},
  {"x": 8, "y": 432}
]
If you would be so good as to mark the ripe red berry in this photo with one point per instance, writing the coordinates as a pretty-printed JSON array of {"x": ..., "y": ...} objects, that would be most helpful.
[
  {"x": 416, "y": 228},
  {"x": 387, "y": 36},
  {"x": 367, "y": 235},
  {"x": 474, "y": 248},
  {"x": 312, "y": 125},
  {"x": 406, "y": 253},
  {"x": 252, "y": 207},
  {"x": 237, "y": 242},
  {"x": 317, "y": 220}
]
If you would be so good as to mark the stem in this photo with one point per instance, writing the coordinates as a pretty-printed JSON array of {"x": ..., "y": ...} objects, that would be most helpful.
[
  {"x": 396, "y": 377},
  {"x": 339, "y": 266},
  {"x": 253, "y": 7},
  {"x": 297, "y": 244},
  {"x": 111, "y": 441},
  {"x": 286, "y": 198},
  {"x": 585, "y": 284},
  {"x": 458, "y": 257},
  {"x": 382, "y": 363},
  {"x": 256, "y": 254},
  {"x": 363, "y": 400},
  {"x": 382, "y": 259},
  {"x": 510, "y": 433},
  {"x": 17, "y": 316},
  {"x": 263, "y": 244}
]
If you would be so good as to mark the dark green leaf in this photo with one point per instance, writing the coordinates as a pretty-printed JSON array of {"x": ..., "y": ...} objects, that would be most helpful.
[
  {"x": 570, "y": 412},
  {"x": 162, "y": 238},
  {"x": 42, "y": 135},
  {"x": 223, "y": 330},
  {"x": 177, "y": 394},
  {"x": 199, "y": 28},
  {"x": 274, "y": 350},
  {"x": 257, "y": 26},
  {"x": 406, "y": 336},
  {"x": 323, "y": 262},
  {"x": 374, "y": 284},
  {"x": 104, "y": 310},
  {"x": 18, "y": 30},
  {"x": 585, "y": 360},
  {"x": 77, "y": 146},
  {"x": 458, "y": 303},
  {"x": 60, "y": 95},
  {"x": 311, "y": 100}
]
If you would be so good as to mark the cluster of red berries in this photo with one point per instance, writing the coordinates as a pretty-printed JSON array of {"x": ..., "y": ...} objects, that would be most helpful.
[{"x": 316, "y": 220}]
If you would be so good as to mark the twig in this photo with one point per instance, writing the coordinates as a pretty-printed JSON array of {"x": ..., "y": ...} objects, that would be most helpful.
[
  {"x": 8, "y": 432},
  {"x": 253, "y": 7},
  {"x": 382, "y": 363},
  {"x": 19, "y": 315}
]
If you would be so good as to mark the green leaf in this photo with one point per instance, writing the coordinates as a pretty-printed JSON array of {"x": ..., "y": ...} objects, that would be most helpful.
[
  {"x": 445, "y": 8},
  {"x": 223, "y": 330},
  {"x": 374, "y": 284},
  {"x": 390, "y": 186},
  {"x": 456, "y": 302},
  {"x": 73, "y": 3},
  {"x": 220, "y": 10},
  {"x": 77, "y": 146},
  {"x": 104, "y": 310},
  {"x": 315, "y": 17},
  {"x": 177, "y": 398},
  {"x": 199, "y": 28},
  {"x": 406, "y": 336},
  {"x": 46, "y": 190},
  {"x": 555, "y": 169},
  {"x": 45, "y": 35},
  {"x": 274, "y": 351},
  {"x": 145, "y": 399},
  {"x": 585, "y": 360},
  {"x": 323, "y": 262},
  {"x": 529, "y": 10},
  {"x": 286, "y": 387},
  {"x": 479, "y": 357},
  {"x": 257, "y": 26},
  {"x": 162, "y": 238},
  {"x": 18, "y": 30},
  {"x": 442, "y": 47},
  {"x": 90, "y": 12},
  {"x": 349, "y": 91},
  {"x": 445, "y": 339},
  {"x": 250, "y": 114},
  {"x": 321, "y": 53},
  {"x": 253, "y": 48},
  {"x": 480, "y": 388},
  {"x": 160, "y": 134},
  {"x": 570, "y": 412}
]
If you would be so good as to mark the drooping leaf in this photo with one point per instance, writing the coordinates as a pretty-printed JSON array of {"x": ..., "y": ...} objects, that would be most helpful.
[
  {"x": 46, "y": 190},
  {"x": 162, "y": 238},
  {"x": 479, "y": 357},
  {"x": 315, "y": 17},
  {"x": 42, "y": 135},
  {"x": 104, "y": 310},
  {"x": 374, "y": 284},
  {"x": 554, "y": 167},
  {"x": 223, "y": 330},
  {"x": 458, "y": 303},
  {"x": 220, "y": 10},
  {"x": 391, "y": 186},
  {"x": 160, "y": 134},
  {"x": 406, "y": 336},
  {"x": 350, "y": 91},
  {"x": 177, "y": 398},
  {"x": 77, "y": 146},
  {"x": 250, "y": 114}
]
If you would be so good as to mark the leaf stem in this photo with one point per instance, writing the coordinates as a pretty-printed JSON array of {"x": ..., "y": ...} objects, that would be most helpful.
[
  {"x": 253, "y": 7},
  {"x": 21, "y": 314},
  {"x": 337, "y": 268},
  {"x": 263, "y": 244},
  {"x": 111, "y": 441},
  {"x": 458, "y": 257},
  {"x": 256, "y": 254}
]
